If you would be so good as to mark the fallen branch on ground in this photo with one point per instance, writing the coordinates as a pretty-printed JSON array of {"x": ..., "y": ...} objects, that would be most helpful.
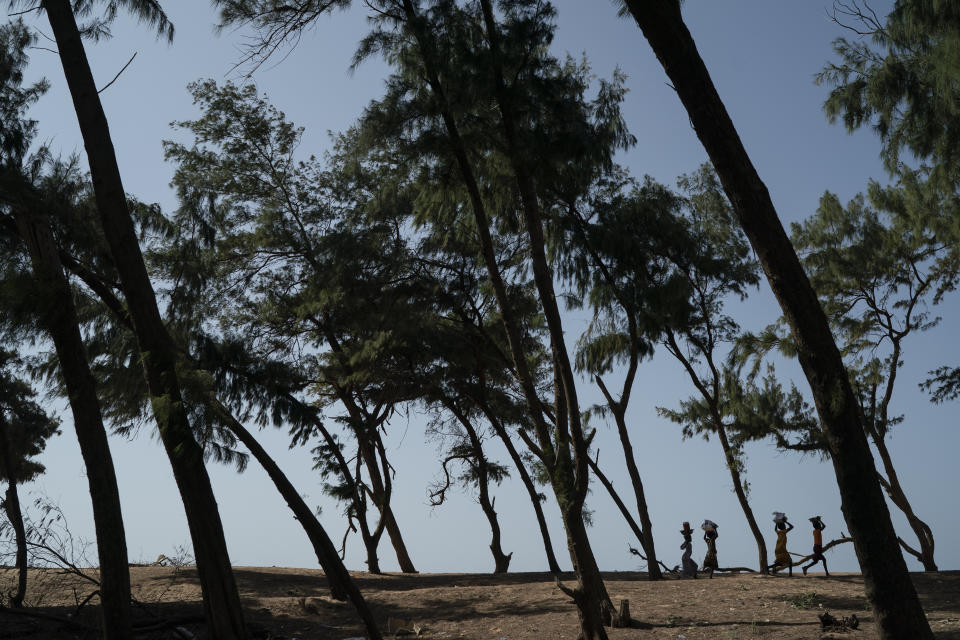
[{"x": 675, "y": 570}]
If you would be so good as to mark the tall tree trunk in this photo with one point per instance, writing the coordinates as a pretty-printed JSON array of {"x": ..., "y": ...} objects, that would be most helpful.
[
  {"x": 888, "y": 586},
  {"x": 730, "y": 457},
  {"x": 618, "y": 409},
  {"x": 624, "y": 511},
  {"x": 11, "y": 506},
  {"x": 653, "y": 565},
  {"x": 891, "y": 483},
  {"x": 59, "y": 317},
  {"x": 342, "y": 585},
  {"x": 528, "y": 484},
  {"x": 571, "y": 477},
  {"x": 221, "y": 599}
]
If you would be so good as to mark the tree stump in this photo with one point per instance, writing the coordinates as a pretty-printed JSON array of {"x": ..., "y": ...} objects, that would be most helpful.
[{"x": 623, "y": 615}]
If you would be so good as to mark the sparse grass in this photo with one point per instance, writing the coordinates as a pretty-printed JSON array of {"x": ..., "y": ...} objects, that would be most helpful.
[{"x": 807, "y": 600}]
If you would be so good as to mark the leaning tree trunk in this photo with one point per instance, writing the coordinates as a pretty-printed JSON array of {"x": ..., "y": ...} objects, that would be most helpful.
[
  {"x": 889, "y": 589},
  {"x": 59, "y": 317},
  {"x": 342, "y": 585},
  {"x": 11, "y": 506},
  {"x": 220, "y": 597},
  {"x": 730, "y": 457},
  {"x": 625, "y": 512},
  {"x": 571, "y": 475},
  {"x": 646, "y": 525},
  {"x": 528, "y": 484},
  {"x": 891, "y": 483}
]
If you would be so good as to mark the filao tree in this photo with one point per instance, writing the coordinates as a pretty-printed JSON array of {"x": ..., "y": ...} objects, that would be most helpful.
[
  {"x": 449, "y": 59},
  {"x": 877, "y": 278},
  {"x": 29, "y": 200},
  {"x": 888, "y": 586},
  {"x": 159, "y": 354},
  {"x": 267, "y": 221}
]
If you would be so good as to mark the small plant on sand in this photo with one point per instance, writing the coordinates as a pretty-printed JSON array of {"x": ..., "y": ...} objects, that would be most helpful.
[
  {"x": 672, "y": 620},
  {"x": 807, "y": 600}
]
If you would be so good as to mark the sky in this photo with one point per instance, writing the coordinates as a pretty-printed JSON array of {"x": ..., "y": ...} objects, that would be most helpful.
[{"x": 763, "y": 56}]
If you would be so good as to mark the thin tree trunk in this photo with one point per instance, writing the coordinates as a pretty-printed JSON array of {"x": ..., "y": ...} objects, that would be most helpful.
[
  {"x": 528, "y": 484},
  {"x": 618, "y": 409},
  {"x": 11, "y": 506},
  {"x": 731, "y": 459},
  {"x": 897, "y": 496},
  {"x": 653, "y": 566},
  {"x": 624, "y": 511},
  {"x": 501, "y": 561},
  {"x": 381, "y": 498},
  {"x": 342, "y": 585},
  {"x": 221, "y": 600},
  {"x": 888, "y": 586},
  {"x": 59, "y": 317}
]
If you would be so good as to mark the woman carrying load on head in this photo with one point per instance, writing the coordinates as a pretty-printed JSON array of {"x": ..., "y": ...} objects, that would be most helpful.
[
  {"x": 781, "y": 556},
  {"x": 710, "y": 537},
  {"x": 689, "y": 567}
]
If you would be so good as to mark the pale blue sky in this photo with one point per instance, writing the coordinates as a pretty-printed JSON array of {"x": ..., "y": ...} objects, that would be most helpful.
[{"x": 763, "y": 55}]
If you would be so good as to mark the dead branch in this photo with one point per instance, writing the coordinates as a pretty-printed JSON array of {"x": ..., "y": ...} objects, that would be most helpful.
[
  {"x": 675, "y": 570},
  {"x": 732, "y": 570},
  {"x": 107, "y": 86},
  {"x": 826, "y": 547},
  {"x": 40, "y": 615}
]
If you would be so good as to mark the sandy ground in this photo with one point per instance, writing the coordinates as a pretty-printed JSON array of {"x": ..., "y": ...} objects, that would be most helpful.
[{"x": 291, "y": 603}]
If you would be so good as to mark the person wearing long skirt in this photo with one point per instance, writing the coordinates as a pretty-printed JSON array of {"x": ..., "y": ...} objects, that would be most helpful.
[
  {"x": 710, "y": 537},
  {"x": 689, "y": 567}
]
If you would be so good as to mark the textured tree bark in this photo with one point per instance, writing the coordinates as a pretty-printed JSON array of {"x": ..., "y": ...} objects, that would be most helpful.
[
  {"x": 60, "y": 320},
  {"x": 888, "y": 586},
  {"x": 731, "y": 460},
  {"x": 221, "y": 600},
  {"x": 11, "y": 506}
]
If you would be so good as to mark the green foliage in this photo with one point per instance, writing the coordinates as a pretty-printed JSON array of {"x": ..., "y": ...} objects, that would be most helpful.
[
  {"x": 25, "y": 426},
  {"x": 806, "y": 600},
  {"x": 902, "y": 80}
]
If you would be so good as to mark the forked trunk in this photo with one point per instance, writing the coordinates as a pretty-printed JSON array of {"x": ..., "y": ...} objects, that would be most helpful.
[
  {"x": 59, "y": 317},
  {"x": 571, "y": 473},
  {"x": 731, "y": 460},
  {"x": 889, "y": 589},
  {"x": 220, "y": 597},
  {"x": 625, "y": 512},
  {"x": 381, "y": 498}
]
